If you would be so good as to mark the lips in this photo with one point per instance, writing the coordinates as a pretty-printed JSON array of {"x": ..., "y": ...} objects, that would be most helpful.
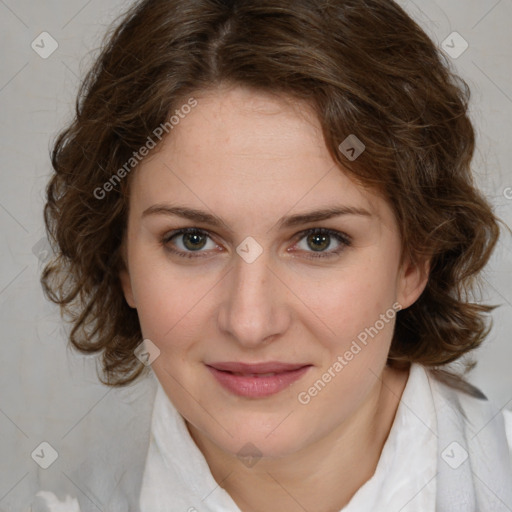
[
  {"x": 256, "y": 380},
  {"x": 256, "y": 369}
]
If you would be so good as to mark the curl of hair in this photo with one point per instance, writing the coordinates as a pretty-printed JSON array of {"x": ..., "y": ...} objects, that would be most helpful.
[{"x": 364, "y": 66}]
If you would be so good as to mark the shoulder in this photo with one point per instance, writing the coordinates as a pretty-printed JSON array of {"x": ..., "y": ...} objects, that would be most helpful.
[{"x": 481, "y": 416}]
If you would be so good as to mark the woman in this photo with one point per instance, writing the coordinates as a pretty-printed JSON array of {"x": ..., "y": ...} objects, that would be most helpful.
[{"x": 277, "y": 198}]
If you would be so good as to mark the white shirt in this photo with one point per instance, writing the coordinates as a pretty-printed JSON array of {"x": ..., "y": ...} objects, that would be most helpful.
[{"x": 177, "y": 477}]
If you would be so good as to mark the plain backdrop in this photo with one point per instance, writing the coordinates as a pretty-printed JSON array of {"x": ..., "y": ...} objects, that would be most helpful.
[{"x": 46, "y": 390}]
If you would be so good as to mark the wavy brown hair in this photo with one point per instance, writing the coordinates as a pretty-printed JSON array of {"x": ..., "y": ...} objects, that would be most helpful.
[{"x": 364, "y": 66}]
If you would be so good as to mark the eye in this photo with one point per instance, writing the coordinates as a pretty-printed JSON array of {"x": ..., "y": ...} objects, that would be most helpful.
[
  {"x": 192, "y": 240},
  {"x": 320, "y": 239}
]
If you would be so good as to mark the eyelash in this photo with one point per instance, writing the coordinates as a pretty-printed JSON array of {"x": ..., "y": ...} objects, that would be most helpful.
[{"x": 344, "y": 240}]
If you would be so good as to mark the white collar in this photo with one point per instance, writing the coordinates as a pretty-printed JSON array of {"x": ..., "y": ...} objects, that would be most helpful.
[{"x": 405, "y": 475}]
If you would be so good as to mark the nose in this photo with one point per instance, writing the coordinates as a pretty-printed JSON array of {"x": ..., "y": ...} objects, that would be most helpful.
[{"x": 255, "y": 311}]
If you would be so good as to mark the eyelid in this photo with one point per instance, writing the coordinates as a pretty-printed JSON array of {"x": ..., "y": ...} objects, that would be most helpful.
[{"x": 329, "y": 231}]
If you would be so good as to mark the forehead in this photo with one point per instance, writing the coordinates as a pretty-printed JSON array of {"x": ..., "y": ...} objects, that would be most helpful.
[
  {"x": 244, "y": 123},
  {"x": 248, "y": 149}
]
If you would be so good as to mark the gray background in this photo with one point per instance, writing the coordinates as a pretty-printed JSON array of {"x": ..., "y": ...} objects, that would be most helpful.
[{"x": 49, "y": 393}]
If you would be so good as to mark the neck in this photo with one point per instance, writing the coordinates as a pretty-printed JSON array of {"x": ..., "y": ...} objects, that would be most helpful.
[{"x": 323, "y": 476}]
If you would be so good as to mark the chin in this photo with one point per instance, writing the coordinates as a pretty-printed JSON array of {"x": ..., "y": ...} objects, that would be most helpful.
[{"x": 254, "y": 439}]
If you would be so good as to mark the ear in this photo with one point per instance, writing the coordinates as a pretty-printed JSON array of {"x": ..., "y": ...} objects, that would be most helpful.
[
  {"x": 412, "y": 280},
  {"x": 124, "y": 277}
]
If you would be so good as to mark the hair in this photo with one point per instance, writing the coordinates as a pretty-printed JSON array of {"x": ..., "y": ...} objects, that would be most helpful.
[{"x": 364, "y": 66}]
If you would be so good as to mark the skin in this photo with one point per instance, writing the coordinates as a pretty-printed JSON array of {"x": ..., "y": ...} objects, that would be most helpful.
[{"x": 252, "y": 158}]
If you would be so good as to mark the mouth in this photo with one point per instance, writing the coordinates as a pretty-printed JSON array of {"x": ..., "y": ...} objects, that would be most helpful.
[{"x": 256, "y": 380}]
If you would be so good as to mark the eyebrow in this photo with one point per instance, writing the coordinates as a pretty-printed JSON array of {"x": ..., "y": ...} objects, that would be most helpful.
[{"x": 284, "y": 222}]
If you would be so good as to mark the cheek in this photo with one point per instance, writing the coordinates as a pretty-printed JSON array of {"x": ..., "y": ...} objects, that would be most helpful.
[
  {"x": 171, "y": 303},
  {"x": 350, "y": 302},
  {"x": 159, "y": 302}
]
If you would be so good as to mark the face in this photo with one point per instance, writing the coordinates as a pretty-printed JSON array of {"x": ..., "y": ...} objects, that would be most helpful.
[{"x": 271, "y": 326}]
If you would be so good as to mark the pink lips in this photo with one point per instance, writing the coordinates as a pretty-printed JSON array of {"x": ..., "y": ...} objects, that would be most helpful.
[{"x": 256, "y": 380}]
